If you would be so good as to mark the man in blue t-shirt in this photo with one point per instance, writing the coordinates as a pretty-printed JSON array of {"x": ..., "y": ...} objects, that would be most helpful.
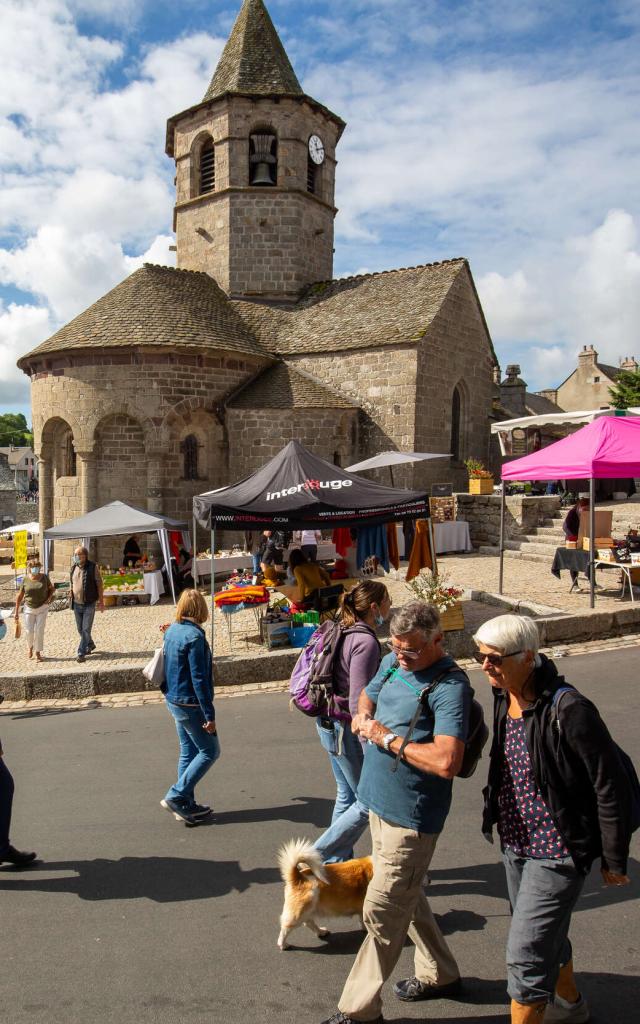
[{"x": 408, "y": 808}]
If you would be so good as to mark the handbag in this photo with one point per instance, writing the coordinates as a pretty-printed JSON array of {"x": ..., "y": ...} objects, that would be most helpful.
[
  {"x": 153, "y": 671},
  {"x": 18, "y": 629}
]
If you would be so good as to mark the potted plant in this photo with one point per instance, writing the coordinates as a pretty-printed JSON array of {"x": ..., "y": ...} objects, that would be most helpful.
[
  {"x": 480, "y": 478},
  {"x": 434, "y": 588}
]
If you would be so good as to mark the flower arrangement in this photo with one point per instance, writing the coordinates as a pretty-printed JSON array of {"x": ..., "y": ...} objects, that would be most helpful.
[
  {"x": 477, "y": 470},
  {"x": 434, "y": 588}
]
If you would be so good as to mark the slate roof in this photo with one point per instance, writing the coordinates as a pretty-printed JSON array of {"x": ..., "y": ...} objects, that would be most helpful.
[
  {"x": 157, "y": 306},
  {"x": 254, "y": 59},
  {"x": 282, "y": 387},
  {"x": 390, "y": 308},
  {"x": 612, "y": 372},
  {"x": 7, "y": 481},
  {"x": 539, "y": 405},
  {"x": 14, "y": 455}
]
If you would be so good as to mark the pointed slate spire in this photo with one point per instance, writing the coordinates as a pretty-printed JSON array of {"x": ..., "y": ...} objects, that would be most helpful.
[{"x": 254, "y": 60}]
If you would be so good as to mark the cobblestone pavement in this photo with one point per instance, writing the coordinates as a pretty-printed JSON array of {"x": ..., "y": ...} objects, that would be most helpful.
[{"x": 124, "y": 700}]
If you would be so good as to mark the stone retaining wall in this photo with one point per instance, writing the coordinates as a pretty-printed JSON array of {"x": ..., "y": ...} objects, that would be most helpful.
[
  {"x": 27, "y": 511},
  {"x": 523, "y": 514}
]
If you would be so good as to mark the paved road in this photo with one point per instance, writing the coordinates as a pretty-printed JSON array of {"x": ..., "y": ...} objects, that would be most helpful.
[{"x": 134, "y": 919}]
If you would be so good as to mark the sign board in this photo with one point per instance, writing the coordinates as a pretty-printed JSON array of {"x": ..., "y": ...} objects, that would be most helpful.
[
  {"x": 441, "y": 490},
  {"x": 20, "y": 550}
]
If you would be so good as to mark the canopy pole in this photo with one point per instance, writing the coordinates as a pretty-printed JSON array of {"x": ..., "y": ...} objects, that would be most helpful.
[
  {"x": 194, "y": 554},
  {"x": 503, "y": 505},
  {"x": 592, "y": 542},
  {"x": 391, "y": 475},
  {"x": 213, "y": 585}
]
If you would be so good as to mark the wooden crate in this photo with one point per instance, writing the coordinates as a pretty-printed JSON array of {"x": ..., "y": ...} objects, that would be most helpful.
[
  {"x": 452, "y": 618},
  {"x": 480, "y": 485},
  {"x": 442, "y": 510}
]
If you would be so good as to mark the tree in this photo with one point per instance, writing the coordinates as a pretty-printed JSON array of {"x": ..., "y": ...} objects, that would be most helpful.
[
  {"x": 626, "y": 391},
  {"x": 14, "y": 430}
]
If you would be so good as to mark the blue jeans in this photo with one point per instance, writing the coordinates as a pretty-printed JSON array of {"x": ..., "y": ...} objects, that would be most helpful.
[
  {"x": 84, "y": 614},
  {"x": 256, "y": 563},
  {"x": 349, "y": 818},
  {"x": 542, "y": 894},
  {"x": 199, "y": 750},
  {"x": 6, "y": 801}
]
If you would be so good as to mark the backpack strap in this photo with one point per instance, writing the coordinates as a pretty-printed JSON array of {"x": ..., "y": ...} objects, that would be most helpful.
[
  {"x": 423, "y": 701},
  {"x": 555, "y": 704}
]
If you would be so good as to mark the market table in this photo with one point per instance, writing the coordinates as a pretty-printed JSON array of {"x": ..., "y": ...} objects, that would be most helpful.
[
  {"x": 452, "y": 536},
  {"x": 154, "y": 585},
  {"x": 574, "y": 559},
  {"x": 227, "y": 563}
]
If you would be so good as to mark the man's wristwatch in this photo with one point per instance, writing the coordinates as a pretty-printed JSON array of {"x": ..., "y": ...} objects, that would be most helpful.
[{"x": 388, "y": 739}]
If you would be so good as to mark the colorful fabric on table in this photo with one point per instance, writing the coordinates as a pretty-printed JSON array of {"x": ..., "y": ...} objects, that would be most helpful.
[
  {"x": 241, "y": 595},
  {"x": 342, "y": 539},
  {"x": 372, "y": 541},
  {"x": 421, "y": 555},
  {"x": 392, "y": 544}
]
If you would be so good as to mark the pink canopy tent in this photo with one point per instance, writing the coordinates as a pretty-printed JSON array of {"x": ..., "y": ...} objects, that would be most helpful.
[{"x": 606, "y": 448}]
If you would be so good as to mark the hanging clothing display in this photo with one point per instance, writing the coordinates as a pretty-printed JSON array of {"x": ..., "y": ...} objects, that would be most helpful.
[
  {"x": 421, "y": 555},
  {"x": 372, "y": 541},
  {"x": 409, "y": 531},
  {"x": 342, "y": 539},
  {"x": 392, "y": 545}
]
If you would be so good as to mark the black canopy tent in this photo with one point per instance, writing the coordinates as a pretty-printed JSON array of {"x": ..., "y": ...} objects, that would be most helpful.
[{"x": 299, "y": 490}]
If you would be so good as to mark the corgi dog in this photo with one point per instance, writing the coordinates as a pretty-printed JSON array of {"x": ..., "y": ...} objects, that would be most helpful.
[{"x": 314, "y": 889}]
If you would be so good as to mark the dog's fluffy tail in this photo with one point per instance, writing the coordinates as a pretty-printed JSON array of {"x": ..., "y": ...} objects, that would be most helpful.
[{"x": 297, "y": 859}]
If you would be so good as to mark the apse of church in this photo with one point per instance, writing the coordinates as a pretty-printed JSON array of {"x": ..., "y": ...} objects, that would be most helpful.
[{"x": 181, "y": 380}]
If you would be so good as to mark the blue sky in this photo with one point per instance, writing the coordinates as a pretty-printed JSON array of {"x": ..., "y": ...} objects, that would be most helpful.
[{"x": 500, "y": 130}]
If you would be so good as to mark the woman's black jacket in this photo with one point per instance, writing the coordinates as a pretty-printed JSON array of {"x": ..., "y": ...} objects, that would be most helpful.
[{"x": 577, "y": 768}]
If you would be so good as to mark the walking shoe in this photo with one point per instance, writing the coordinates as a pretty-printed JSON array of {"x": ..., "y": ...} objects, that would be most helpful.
[
  {"x": 200, "y": 811},
  {"x": 560, "y": 1010},
  {"x": 179, "y": 812},
  {"x": 81, "y": 657},
  {"x": 92, "y": 648},
  {"x": 343, "y": 1018},
  {"x": 412, "y": 989},
  {"x": 18, "y": 857}
]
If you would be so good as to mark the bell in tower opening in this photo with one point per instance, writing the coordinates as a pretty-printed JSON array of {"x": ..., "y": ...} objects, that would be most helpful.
[{"x": 263, "y": 159}]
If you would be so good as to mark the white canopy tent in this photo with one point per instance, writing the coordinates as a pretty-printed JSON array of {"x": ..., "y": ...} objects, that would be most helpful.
[
  {"x": 18, "y": 527},
  {"x": 555, "y": 419},
  {"x": 392, "y": 459},
  {"x": 112, "y": 520}
]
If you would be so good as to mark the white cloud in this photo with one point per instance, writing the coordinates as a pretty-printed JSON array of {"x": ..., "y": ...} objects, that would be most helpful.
[{"x": 20, "y": 326}]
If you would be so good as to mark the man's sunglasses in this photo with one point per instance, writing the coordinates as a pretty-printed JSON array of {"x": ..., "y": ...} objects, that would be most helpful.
[
  {"x": 493, "y": 659},
  {"x": 404, "y": 651}
]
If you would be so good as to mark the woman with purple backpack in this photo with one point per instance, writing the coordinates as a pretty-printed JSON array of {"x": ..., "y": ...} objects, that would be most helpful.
[{"x": 364, "y": 608}]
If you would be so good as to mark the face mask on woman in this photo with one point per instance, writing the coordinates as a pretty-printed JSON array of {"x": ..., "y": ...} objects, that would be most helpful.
[
  {"x": 76, "y": 559},
  {"x": 35, "y": 570},
  {"x": 378, "y": 618}
]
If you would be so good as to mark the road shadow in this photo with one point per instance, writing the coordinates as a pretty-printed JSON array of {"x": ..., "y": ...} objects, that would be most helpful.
[
  {"x": 160, "y": 879},
  {"x": 489, "y": 880},
  {"x": 460, "y": 921},
  {"x": 306, "y": 810}
]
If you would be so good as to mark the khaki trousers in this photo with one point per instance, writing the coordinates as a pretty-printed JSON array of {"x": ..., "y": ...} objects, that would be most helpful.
[{"x": 395, "y": 906}]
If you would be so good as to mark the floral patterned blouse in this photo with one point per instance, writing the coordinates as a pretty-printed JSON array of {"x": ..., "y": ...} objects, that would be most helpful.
[{"x": 525, "y": 824}]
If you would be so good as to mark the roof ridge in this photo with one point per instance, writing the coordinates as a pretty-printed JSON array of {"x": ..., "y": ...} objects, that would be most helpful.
[{"x": 381, "y": 273}]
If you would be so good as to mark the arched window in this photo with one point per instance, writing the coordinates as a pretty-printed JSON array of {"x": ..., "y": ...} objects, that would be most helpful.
[
  {"x": 456, "y": 421},
  {"x": 312, "y": 170},
  {"x": 69, "y": 456},
  {"x": 189, "y": 449},
  {"x": 263, "y": 159},
  {"x": 207, "y": 168}
]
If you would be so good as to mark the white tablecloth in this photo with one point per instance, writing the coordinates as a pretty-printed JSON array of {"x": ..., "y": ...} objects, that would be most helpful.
[
  {"x": 452, "y": 536},
  {"x": 154, "y": 585},
  {"x": 227, "y": 563}
]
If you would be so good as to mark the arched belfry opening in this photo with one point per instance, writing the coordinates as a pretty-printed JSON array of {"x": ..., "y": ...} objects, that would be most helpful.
[
  {"x": 263, "y": 158},
  {"x": 207, "y": 168}
]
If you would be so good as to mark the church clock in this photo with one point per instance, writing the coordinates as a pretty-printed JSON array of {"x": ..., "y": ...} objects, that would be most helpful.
[{"x": 316, "y": 149}]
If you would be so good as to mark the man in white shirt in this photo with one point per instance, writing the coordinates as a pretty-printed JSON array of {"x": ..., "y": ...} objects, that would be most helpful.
[{"x": 308, "y": 541}]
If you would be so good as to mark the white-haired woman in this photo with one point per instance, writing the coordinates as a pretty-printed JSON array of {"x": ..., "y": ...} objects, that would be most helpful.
[{"x": 560, "y": 798}]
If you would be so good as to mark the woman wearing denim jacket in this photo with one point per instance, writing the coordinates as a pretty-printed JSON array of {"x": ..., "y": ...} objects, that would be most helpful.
[
  {"x": 188, "y": 691},
  {"x": 363, "y": 608}
]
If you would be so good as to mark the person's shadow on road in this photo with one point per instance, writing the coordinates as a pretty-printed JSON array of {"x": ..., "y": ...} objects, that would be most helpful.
[{"x": 161, "y": 879}]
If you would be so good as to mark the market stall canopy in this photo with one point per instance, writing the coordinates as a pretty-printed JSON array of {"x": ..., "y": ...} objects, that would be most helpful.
[
  {"x": 297, "y": 489},
  {"x": 394, "y": 459},
  {"x": 559, "y": 419},
  {"x": 111, "y": 520},
  {"x": 29, "y": 527},
  {"x": 606, "y": 448}
]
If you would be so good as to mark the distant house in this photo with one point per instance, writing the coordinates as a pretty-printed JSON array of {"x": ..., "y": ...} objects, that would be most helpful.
[
  {"x": 7, "y": 493},
  {"x": 24, "y": 466},
  {"x": 587, "y": 387}
]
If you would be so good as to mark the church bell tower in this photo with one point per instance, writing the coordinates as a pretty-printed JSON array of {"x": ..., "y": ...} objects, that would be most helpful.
[{"x": 255, "y": 171}]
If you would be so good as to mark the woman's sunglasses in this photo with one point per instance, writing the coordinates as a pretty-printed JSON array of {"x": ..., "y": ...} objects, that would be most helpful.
[{"x": 493, "y": 659}]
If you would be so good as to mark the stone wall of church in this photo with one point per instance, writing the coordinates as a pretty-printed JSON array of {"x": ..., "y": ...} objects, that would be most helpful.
[
  {"x": 112, "y": 426},
  {"x": 383, "y": 383},
  {"x": 456, "y": 353},
  {"x": 257, "y": 435}
]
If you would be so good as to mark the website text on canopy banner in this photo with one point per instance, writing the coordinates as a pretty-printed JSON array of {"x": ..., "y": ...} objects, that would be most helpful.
[
  {"x": 297, "y": 490},
  {"x": 606, "y": 448}
]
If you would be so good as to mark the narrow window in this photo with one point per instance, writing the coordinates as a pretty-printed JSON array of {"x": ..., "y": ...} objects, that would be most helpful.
[
  {"x": 207, "y": 168},
  {"x": 189, "y": 448},
  {"x": 69, "y": 457},
  {"x": 455, "y": 425},
  {"x": 263, "y": 159},
  {"x": 311, "y": 176}
]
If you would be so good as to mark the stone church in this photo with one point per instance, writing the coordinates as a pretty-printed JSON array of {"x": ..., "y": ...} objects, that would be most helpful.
[{"x": 181, "y": 380}]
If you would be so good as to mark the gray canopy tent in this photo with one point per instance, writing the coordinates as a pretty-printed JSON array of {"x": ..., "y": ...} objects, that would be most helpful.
[
  {"x": 110, "y": 521},
  {"x": 392, "y": 459}
]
